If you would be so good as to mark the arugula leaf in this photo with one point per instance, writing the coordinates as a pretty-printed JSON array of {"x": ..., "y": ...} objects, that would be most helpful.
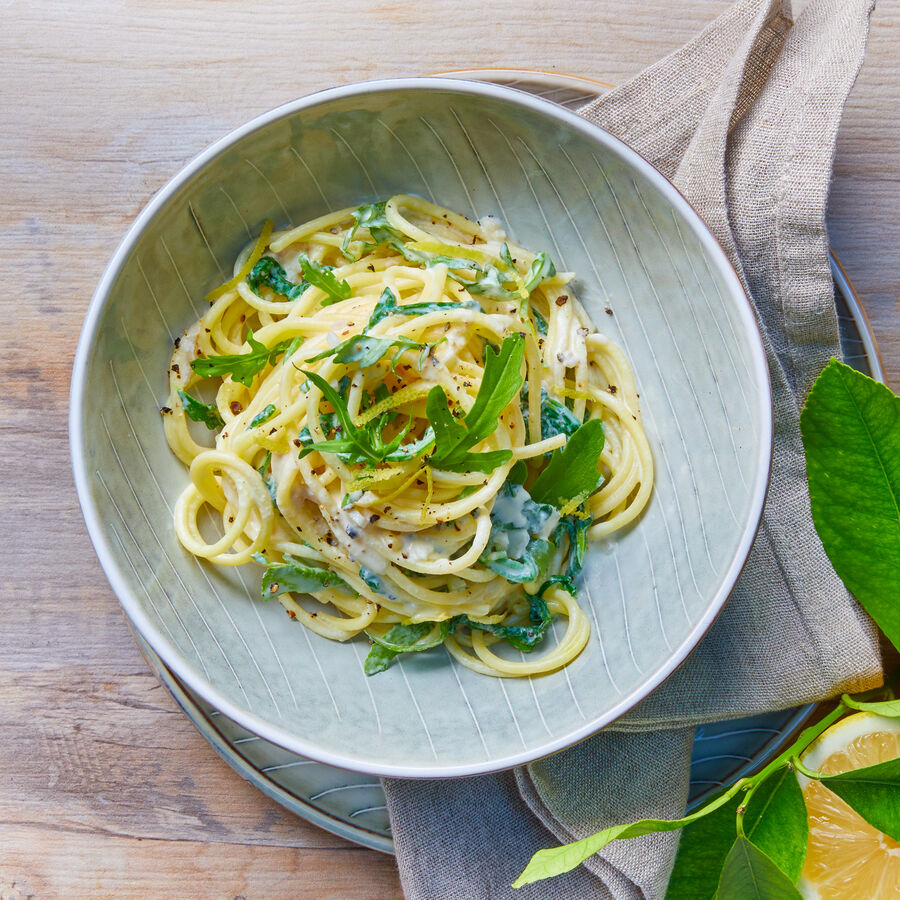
[
  {"x": 572, "y": 471},
  {"x": 323, "y": 277},
  {"x": 515, "y": 550},
  {"x": 387, "y": 305},
  {"x": 522, "y": 637},
  {"x": 294, "y": 576},
  {"x": 356, "y": 442},
  {"x": 378, "y": 659},
  {"x": 453, "y": 440},
  {"x": 749, "y": 874},
  {"x": 518, "y": 473},
  {"x": 265, "y": 472},
  {"x": 269, "y": 272},
  {"x": 360, "y": 445},
  {"x": 541, "y": 268},
  {"x": 556, "y": 417},
  {"x": 263, "y": 416},
  {"x": 412, "y": 449},
  {"x": 540, "y": 323},
  {"x": 874, "y": 792},
  {"x": 373, "y": 217},
  {"x": 366, "y": 350},
  {"x": 200, "y": 411},
  {"x": 372, "y": 580},
  {"x": 243, "y": 367},
  {"x": 402, "y": 639},
  {"x": 851, "y": 434},
  {"x": 488, "y": 282},
  {"x": 576, "y": 528}
]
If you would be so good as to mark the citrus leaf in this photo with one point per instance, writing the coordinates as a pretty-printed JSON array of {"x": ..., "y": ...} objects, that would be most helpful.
[
  {"x": 874, "y": 792},
  {"x": 556, "y": 860},
  {"x": 749, "y": 874},
  {"x": 702, "y": 849},
  {"x": 890, "y": 709},
  {"x": 777, "y": 823},
  {"x": 851, "y": 434}
]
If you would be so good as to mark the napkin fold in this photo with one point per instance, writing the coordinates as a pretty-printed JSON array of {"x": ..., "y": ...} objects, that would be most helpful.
[{"x": 743, "y": 119}]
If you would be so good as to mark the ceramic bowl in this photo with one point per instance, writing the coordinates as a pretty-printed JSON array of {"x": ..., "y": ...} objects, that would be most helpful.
[{"x": 648, "y": 272}]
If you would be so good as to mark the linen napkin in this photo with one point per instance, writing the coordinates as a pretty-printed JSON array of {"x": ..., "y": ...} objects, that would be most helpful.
[{"x": 743, "y": 119}]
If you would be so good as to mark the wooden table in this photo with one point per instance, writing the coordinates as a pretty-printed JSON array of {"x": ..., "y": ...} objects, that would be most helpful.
[{"x": 106, "y": 789}]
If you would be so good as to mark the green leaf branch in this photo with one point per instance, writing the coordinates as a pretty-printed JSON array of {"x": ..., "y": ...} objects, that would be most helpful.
[{"x": 749, "y": 842}]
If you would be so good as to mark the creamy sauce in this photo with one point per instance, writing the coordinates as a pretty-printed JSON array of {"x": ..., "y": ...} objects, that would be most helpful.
[
  {"x": 187, "y": 351},
  {"x": 510, "y": 510}
]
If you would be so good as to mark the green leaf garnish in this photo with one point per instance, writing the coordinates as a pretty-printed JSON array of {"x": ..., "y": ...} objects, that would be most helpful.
[
  {"x": 265, "y": 472},
  {"x": 200, "y": 411},
  {"x": 387, "y": 305},
  {"x": 556, "y": 417},
  {"x": 453, "y": 439},
  {"x": 356, "y": 442},
  {"x": 489, "y": 282},
  {"x": 268, "y": 272},
  {"x": 576, "y": 528},
  {"x": 263, "y": 416},
  {"x": 851, "y": 434},
  {"x": 403, "y": 639},
  {"x": 360, "y": 444},
  {"x": 525, "y": 637},
  {"x": 365, "y": 350},
  {"x": 372, "y": 217},
  {"x": 541, "y": 268},
  {"x": 243, "y": 367},
  {"x": 295, "y": 576},
  {"x": 572, "y": 472},
  {"x": 374, "y": 582},
  {"x": 323, "y": 277}
]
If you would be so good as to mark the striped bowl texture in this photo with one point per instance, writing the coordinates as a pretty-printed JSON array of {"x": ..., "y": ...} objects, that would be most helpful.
[{"x": 559, "y": 184}]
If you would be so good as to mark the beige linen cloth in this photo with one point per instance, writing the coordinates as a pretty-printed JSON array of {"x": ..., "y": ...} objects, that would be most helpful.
[{"x": 743, "y": 119}]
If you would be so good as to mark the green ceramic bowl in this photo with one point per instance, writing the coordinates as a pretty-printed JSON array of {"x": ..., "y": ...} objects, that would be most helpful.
[{"x": 558, "y": 183}]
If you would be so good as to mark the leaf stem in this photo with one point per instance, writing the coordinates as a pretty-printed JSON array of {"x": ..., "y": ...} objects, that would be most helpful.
[
  {"x": 809, "y": 773},
  {"x": 806, "y": 737}
]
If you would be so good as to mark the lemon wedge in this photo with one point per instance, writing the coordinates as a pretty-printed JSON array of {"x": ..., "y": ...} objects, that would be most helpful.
[{"x": 847, "y": 858}]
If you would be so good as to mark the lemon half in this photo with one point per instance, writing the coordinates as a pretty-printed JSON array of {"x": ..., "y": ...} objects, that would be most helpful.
[{"x": 847, "y": 858}]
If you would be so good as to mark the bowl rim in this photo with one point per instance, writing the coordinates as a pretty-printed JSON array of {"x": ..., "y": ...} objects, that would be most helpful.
[{"x": 193, "y": 677}]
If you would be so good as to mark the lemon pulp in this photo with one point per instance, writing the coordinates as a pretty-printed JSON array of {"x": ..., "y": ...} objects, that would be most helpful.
[{"x": 847, "y": 858}]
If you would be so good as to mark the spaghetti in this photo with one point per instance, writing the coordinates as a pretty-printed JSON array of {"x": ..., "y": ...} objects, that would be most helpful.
[{"x": 418, "y": 428}]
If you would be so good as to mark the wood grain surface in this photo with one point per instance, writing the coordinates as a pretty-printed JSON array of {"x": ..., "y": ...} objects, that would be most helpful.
[{"x": 106, "y": 789}]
